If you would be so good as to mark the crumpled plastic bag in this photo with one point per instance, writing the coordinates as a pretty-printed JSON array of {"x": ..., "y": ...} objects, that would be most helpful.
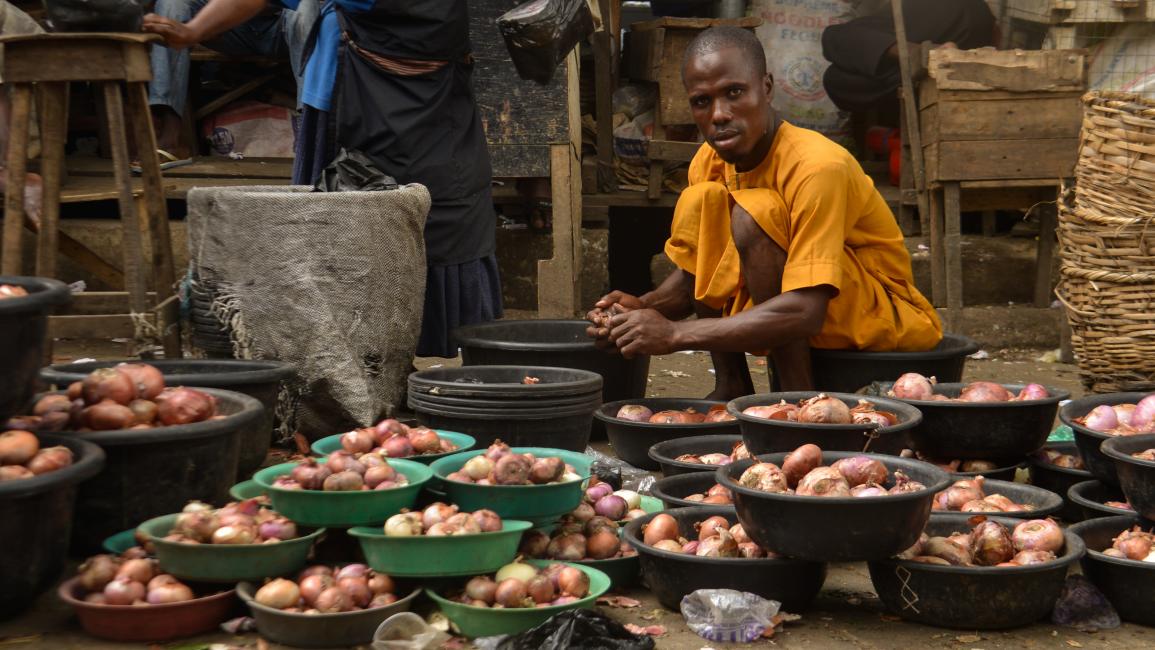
[
  {"x": 94, "y": 15},
  {"x": 618, "y": 473},
  {"x": 727, "y": 615},
  {"x": 407, "y": 631},
  {"x": 539, "y": 34},
  {"x": 575, "y": 629},
  {"x": 353, "y": 171},
  {"x": 1082, "y": 606}
]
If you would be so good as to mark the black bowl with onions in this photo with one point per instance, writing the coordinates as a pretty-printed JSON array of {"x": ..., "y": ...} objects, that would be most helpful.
[
  {"x": 1058, "y": 479},
  {"x": 1091, "y": 498},
  {"x": 836, "y": 529},
  {"x": 670, "y": 576},
  {"x": 23, "y": 328},
  {"x": 847, "y": 371},
  {"x": 1042, "y": 503},
  {"x": 632, "y": 440},
  {"x": 666, "y": 453},
  {"x": 1089, "y": 440},
  {"x": 765, "y": 436},
  {"x": 973, "y": 597},
  {"x": 1128, "y": 584},
  {"x": 673, "y": 490},
  {"x": 975, "y": 430},
  {"x": 1003, "y": 471},
  {"x": 1136, "y": 476}
]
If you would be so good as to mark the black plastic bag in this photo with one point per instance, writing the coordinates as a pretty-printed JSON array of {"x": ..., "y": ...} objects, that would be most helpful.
[
  {"x": 577, "y": 629},
  {"x": 94, "y": 15},
  {"x": 352, "y": 171},
  {"x": 540, "y": 33}
]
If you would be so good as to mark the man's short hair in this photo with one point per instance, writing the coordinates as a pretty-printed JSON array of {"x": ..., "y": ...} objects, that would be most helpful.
[{"x": 722, "y": 37}]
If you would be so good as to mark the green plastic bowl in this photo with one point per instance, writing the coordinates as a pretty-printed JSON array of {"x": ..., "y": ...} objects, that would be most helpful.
[
  {"x": 651, "y": 504},
  {"x": 428, "y": 557},
  {"x": 249, "y": 489},
  {"x": 535, "y": 503},
  {"x": 120, "y": 542},
  {"x": 227, "y": 562},
  {"x": 475, "y": 622},
  {"x": 330, "y": 444},
  {"x": 361, "y": 508}
]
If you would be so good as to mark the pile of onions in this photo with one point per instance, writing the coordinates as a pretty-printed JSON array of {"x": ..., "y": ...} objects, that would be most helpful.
[
  {"x": 1059, "y": 459},
  {"x": 1134, "y": 544},
  {"x": 521, "y": 585},
  {"x": 967, "y": 495},
  {"x": 716, "y": 495},
  {"x": 956, "y": 465},
  {"x": 441, "y": 519},
  {"x": 329, "y": 590},
  {"x": 601, "y": 500},
  {"x": 737, "y": 452},
  {"x": 12, "y": 291},
  {"x": 640, "y": 413},
  {"x": 343, "y": 471},
  {"x": 823, "y": 409},
  {"x": 1122, "y": 419},
  {"x": 913, "y": 386},
  {"x": 393, "y": 439},
  {"x": 239, "y": 522},
  {"x": 129, "y": 581},
  {"x": 991, "y": 544},
  {"x": 499, "y": 465},
  {"x": 712, "y": 537},
  {"x": 126, "y": 396},
  {"x": 22, "y": 458},
  {"x": 802, "y": 473},
  {"x": 573, "y": 540}
]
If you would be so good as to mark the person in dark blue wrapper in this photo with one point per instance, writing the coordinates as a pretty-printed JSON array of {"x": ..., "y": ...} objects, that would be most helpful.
[{"x": 392, "y": 78}]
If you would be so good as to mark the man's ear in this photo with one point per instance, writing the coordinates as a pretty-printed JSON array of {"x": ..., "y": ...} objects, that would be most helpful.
[{"x": 769, "y": 83}]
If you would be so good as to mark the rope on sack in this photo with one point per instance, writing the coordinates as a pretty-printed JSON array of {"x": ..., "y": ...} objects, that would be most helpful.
[
  {"x": 909, "y": 596},
  {"x": 145, "y": 336}
]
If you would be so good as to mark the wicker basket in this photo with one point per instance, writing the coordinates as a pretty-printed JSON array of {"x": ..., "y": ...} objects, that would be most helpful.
[{"x": 1116, "y": 170}]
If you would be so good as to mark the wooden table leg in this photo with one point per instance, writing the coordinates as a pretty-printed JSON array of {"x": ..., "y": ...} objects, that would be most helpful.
[
  {"x": 21, "y": 108},
  {"x": 53, "y": 134},
  {"x": 1048, "y": 223},
  {"x": 952, "y": 215},
  {"x": 937, "y": 244},
  {"x": 558, "y": 277}
]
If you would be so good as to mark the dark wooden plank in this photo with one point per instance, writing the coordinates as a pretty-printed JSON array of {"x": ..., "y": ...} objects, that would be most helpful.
[
  {"x": 20, "y": 110},
  {"x": 202, "y": 167},
  {"x": 695, "y": 23},
  {"x": 937, "y": 246},
  {"x": 232, "y": 95},
  {"x": 106, "y": 326},
  {"x": 101, "y": 303},
  {"x": 519, "y": 161},
  {"x": 134, "y": 276},
  {"x": 100, "y": 268},
  {"x": 1001, "y": 159},
  {"x": 53, "y": 134},
  {"x": 1008, "y": 119},
  {"x": 672, "y": 150},
  {"x": 84, "y": 60},
  {"x": 629, "y": 200},
  {"x": 1048, "y": 223},
  {"x": 952, "y": 222}
]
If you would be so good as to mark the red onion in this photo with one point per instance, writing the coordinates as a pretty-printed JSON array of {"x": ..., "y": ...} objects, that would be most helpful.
[
  {"x": 868, "y": 490},
  {"x": 634, "y": 413},
  {"x": 436, "y": 513},
  {"x": 343, "y": 482},
  {"x": 599, "y": 490},
  {"x": 661, "y": 527},
  {"x": 510, "y": 593},
  {"x": 871, "y": 417},
  {"x": 822, "y": 409},
  {"x": 18, "y": 447},
  {"x": 573, "y": 582},
  {"x": 332, "y": 601},
  {"x": 398, "y": 446},
  {"x": 858, "y": 470},
  {"x": 567, "y": 548},
  {"x": 108, "y": 383},
  {"x": 123, "y": 591},
  {"x": 984, "y": 391},
  {"x": 780, "y": 411},
  {"x": 378, "y": 474},
  {"x": 343, "y": 461},
  {"x": 487, "y": 520},
  {"x": 710, "y": 527},
  {"x": 541, "y": 589},
  {"x": 721, "y": 545},
  {"x": 612, "y": 506},
  {"x": 913, "y": 386},
  {"x": 823, "y": 482},
  {"x": 174, "y": 592},
  {"x": 497, "y": 450},
  {"x": 147, "y": 380},
  {"x": 184, "y": 406},
  {"x": 481, "y": 588},
  {"x": 386, "y": 428},
  {"x": 1038, "y": 535},
  {"x": 1025, "y": 558},
  {"x": 50, "y": 459},
  {"x": 546, "y": 470},
  {"x": 1101, "y": 418},
  {"x": 764, "y": 476},
  {"x": 511, "y": 469},
  {"x": 1124, "y": 413},
  {"x": 424, "y": 440},
  {"x": 278, "y": 528},
  {"x": 1144, "y": 413},
  {"x": 278, "y": 594},
  {"x": 314, "y": 585},
  {"x": 310, "y": 475},
  {"x": 991, "y": 544},
  {"x": 1032, "y": 392},
  {"x": 358, "y": 441}
]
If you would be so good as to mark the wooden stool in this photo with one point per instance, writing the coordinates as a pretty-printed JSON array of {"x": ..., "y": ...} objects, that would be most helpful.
[{"x": 118, "y": 66}]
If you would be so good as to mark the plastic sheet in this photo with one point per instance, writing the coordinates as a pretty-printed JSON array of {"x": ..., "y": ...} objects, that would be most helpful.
[
  {"x": 619, "y": 474},
  {"x": 726, "y": 615},
  {"x": 540, "y": 33},
  {"x": 352, "y": 171},
  {"x": 94, "y": 15},
  {"x": 575, "y": 629},
  {"x": 1082, "y": 606}
]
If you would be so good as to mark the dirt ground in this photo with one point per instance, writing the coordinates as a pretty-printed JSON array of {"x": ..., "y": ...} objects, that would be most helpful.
[{"x": 846, "y": 614}]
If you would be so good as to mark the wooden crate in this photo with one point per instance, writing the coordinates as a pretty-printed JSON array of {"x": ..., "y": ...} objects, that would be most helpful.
[{"x": 1001, "y": 115}]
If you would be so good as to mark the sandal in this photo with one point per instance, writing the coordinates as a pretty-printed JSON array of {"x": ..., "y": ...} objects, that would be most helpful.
[{"x": 167, "y": 161}]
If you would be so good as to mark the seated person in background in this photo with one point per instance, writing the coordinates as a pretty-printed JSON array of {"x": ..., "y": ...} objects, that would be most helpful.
[
  {"x": 275, "y": 33},
  {"x": 781, "y": 241},
  {"x": 863, "y": 53}
]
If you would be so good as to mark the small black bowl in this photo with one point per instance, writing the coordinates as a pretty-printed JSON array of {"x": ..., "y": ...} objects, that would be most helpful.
[
  {"x": 1091, "y": 496},
  {"x": 1136, "y": 477},
  {"x": 764, "y": 436},
  {"x": 983, "y": 429},
  {"x": 846, "y": 371},
  {"x": 834, "y": 529},
  {"x": 1045, "y": 503},
  {"x": 1001, "y": 473},
  {"x": 673, "y": 490},
  {"x": 973, "y": 598},
  {"x": 1128, "y": 584},
  {"x": 1058, "y": 479},
  {"x": 794, "y": 583},
  {"x": 632, "y": 440},
  {"x": 1089, "y": 440},
  {"x": 664, "y": 453}
]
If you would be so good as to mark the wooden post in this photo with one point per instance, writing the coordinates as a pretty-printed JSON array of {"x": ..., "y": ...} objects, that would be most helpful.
[
  {"x": 953, "y": 239},
  {"x": 21, "y": 100},
  {"x": 937, "y": 248},
  {"x": 53, "y": 134},
  {"x": 130, "y": 219},
  {"x": 911, "y": 134},
  {"x": 559, "y": 278},
  {"x": 1048, "y": 223}
]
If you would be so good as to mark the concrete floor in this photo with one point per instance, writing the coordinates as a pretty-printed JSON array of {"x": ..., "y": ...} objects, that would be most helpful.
[{"x": 846, "y": 614}]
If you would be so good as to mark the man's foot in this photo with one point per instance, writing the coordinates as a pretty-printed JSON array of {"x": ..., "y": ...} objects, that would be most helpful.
[{"x": 727, "y": 393}]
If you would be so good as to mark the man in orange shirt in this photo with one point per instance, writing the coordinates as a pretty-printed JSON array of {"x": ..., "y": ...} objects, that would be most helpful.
[{"x": 781, "y": 241}]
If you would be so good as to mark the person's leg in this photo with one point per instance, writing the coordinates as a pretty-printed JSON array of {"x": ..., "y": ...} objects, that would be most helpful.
[
  {"x": 296, "y": 26},
  {"x": 731, "y": 374},
  {"x": 763, "y": 262},
  {"x": 168, "y": 90}
]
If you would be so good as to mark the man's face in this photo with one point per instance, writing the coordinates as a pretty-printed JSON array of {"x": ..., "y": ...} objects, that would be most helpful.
[{"x": 729, "y": 102}]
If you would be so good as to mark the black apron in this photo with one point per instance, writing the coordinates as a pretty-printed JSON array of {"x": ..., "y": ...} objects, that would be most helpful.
[{"x": 425, "y": 128}]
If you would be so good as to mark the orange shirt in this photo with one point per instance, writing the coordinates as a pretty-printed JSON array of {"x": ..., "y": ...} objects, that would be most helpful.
[{"x": 813, "y": 199}]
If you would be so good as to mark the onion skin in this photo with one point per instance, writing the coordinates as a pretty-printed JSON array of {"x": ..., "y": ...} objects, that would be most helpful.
[
  {"x": 823, "y": 409},
  {"x": 1134, "y": 544},
  {"x": 764, "y": 476},
  {"x": 18, "y": 447},
  {"x": 97, "y": 571},
  {"x": 984, "y": 391},
  {"x": 670, "y": 417},
  {"x": 184, "y": 406},
  {"x": 1038, "y": 535},
  {"x": 669, "y": 545},
  {"x": 779, "y": 411},
  {"x": 913, "y": 386},
  {"x": 512, "y": 469},
  {"x": 800, "y": 462},
  {"x": 332, "y": 601},
  {"x": 661, "y": 527},
  {"x": 511, "y": 593},
  {"x": 991, "y": 544},
  {"x": 110, "y": 384},
  {"x": 279, "y": 594},
  {"x": 823, "y": 482},
  {"x": 50, "y": 459},
  {"x": 546, "y": 470},
  {"x": 567, "y": 548},
  {"x": 1026, "y": 558},
  {"x": 952, "y": 551},
  {"x": 710, "y": 527},
  {"x": 858, "y": 470},
  {"x": 147, "y": 380},
  {"x": 634, "y": 413}
]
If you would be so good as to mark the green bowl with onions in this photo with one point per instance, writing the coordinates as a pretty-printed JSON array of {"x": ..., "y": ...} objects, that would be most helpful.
[
  {"x": 422, "y": 556},
  {"x": 330, "y": 444},
  {"x": 342, "y": 509}
]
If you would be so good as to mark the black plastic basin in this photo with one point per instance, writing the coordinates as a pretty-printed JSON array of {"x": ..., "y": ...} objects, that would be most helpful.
[
  {"x": 764, "y": 436},
  {"x": 1128, "y": 584},
  {"x": 846, "y": 371},
  {"x": 492, "y": 384},
  {"x": 1059, "y": 479},
  {"x": 37, "y": 515},
  {"x": 665, "y": 453},
  {"x": 154, "y": 472},
  {"x": 673, "y": 490},
  {"x": 259, "y": 379},
  {"x": 972, "y": 598},
  {"x": 1136, "y": 477},
  {"x": 836, "y": 529},
  {"x": 1092, "y": 496},
  {"x": 23, "y": 328},
  {"x": 1002, "y": 473},
  {"x": 794, "y": 583},
  {"x": 1089, "y": 440},
  {"x": 632, "y": 440},
  {"x": 983, "y": 429},
  {"x": 1043, "y": 502}
]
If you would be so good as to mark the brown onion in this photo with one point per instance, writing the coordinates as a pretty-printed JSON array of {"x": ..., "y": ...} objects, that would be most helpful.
[
  {"x": 379, "y": 583},
  {"x": 278, "y": 594},
  {"x": 823, "y": 482},
  {"x": 800, "y": 462},
  {"x": 487, "y": 520},
  {"x": 953, "y": 551},
  {"x": 109, "y": 416},
  {"x": 710, "y": 526},
  {"x": 52, "y": 403},
  {"x": 1038, "y": 535},
  {"x": 534, "y": 544},
  {"x": 139, "y": 570},
  {"x": 991, "y": 544},
  {"x": 387, "y": 428},
  {"x": 174, "y": 592},
  {"x": 424, "y": 441},
  {"x": 568, "y": 548},
  {"x": 780, "y": 411},
  {"x": 670, "y": 545},
  {"x": 97, "y": 571},
  {"x": 357, "y": 589},
  {"x": 546, "y": 470},
  {"x": 858, "y": 470},
  {"x": 147, "y": 380},
  {"x": 436, "y": 513},
  {"x": 541, "y": 589},
  {"x": 184, "y": 406},
  {"x": 764, "y": 476},
  {"x": 823, "y": 409},
  {"x": 1025, "y": 558},
  {"x": 573, "y": 582},
  {"x": 602, "y": 545},
  {"x": 358, "y": 441},
  {"x": 143, "y": 411},
  {"x": 310, "y": 475},
  {"x": 50, "y": 460},
  {"x": 332, "y": 601},
  {"x": 18, "y": 447},
  {"x": 14, "y": 473},
  {"x": 107, "y": 383},
  {"x": 343, "y": 482},
  {"x": 984, "y": 391},
  {"x": 720, "y": 545},
  {"x": 481, "y": 588},
  {"x": 510, "y": 593},
  {"x": 123, "y": 591},
  {"x": 661, "y": 527},
  {"x": 313, "y": 585}
]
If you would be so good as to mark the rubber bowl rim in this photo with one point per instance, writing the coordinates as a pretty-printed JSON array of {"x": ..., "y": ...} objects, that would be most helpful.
[
  {"x": 444, "y": 462},
  {"x": 603, "y": 413},
  {"x": 1075, "y": 494},
  {"x": 468, "y": 335},
  {"x": 1053, "y": 503},
  {"x": 1034, "y": 461},
  {"x": 270, "y": 371},
  {"x": 226, "y": 548},
  {"x": 693, "y": 467},
  {"x": 244, "y": 587},
  {"x": 261, "y": 476},
  {"x": 1056, "y": 395},
  {"x": 455, "y": 437},
  {"x": 376, "y": 532},
  {"x": 65, "y": 589},
  {"x": 634, "y": 527},
  {"x": 90, "y": 464},
  {"x": 913, "y": 415},
  {"x": 1108, "y": 447},
  {"x": 552, "y": 609},
  {"x": 1130, "y": 520}
]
